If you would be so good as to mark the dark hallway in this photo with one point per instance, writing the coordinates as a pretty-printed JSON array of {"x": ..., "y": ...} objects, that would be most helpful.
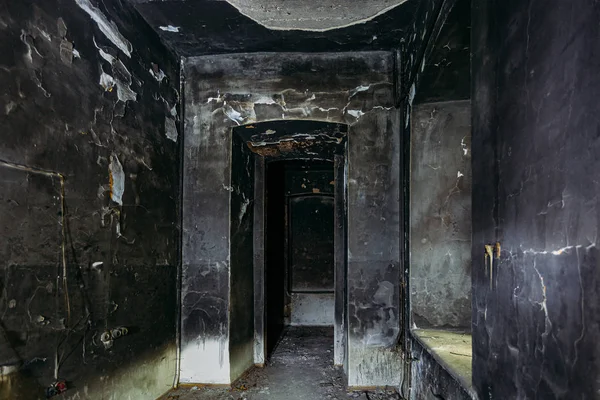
[
  {"x": 299, "y": 241},
  {"x": 275, "y": 199}
]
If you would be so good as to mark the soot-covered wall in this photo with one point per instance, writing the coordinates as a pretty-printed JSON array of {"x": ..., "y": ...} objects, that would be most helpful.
[
  {"x": 440, "y": 215},
  {"x": 222, "y": 92},
  {"x": 536, "y": 148},
  {"x": 88, "y": 203}
]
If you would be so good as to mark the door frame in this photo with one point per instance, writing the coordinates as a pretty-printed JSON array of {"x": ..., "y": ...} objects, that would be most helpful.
[{"x": 340, "y": 323}]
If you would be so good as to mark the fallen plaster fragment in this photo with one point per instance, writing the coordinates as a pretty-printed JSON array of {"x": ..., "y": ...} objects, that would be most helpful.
[
  {"x": 107, "y": 27},
  {"x": 169, "y": 28},
  {"x": 116, "y": 179},
  {"x": 170, "y": 129},
  {"x": 76, "y": 53}
]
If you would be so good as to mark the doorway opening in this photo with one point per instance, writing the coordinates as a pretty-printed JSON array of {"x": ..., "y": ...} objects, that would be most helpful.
[
  {"x": 299, "y": 249},
  {"x": 295, "y": 172}
]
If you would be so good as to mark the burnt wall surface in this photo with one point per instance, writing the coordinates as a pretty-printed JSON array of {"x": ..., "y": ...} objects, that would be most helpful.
[
  {"x": 351, "y": 88},
  {"x": 200, "y": 27},
  {"x": 434, "y": 68},
  {"x": 89, "y": 178},
  {"x": 440, "y": 215},
  {"x": 535, "y": 157},
  {"x": 241, "y": 329},
  {"x": 309, "y": 189}
]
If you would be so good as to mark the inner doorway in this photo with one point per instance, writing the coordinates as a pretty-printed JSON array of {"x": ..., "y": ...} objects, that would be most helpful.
[{"x": 299, "y": 248}]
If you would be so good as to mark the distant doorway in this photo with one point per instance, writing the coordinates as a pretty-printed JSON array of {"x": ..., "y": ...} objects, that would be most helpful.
[
  {"x": 299, "y": 238},
  {"x": 299, "y": 196}
]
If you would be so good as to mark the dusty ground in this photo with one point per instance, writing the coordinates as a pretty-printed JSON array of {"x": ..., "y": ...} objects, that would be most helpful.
[{"x": 301, "y": 368}]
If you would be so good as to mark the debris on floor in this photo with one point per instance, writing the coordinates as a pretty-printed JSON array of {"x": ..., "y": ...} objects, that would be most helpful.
[{"x": 301, "y": 368}]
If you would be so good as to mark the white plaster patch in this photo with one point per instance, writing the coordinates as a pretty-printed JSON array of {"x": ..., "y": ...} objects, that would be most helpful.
[
  {"x": 76, "y": 54},
  {"x": 206, "y": 361},
  {"x": 411, "y": 94},
  {"x": 233, "y": 115},
  {"x": 358, "y": 89},
  {"x": 103, "y": 54},
  {"x": 265, "y": 100},
  {"x": 107, "y": 81},
  {"x": 169, "y": 28},
  {"x": 124, "y": 92},
  {"x": 355, "y": 113},
  {"x": 117, "y": 179},
  {"x": 107, "y": 27},
  {"x": 159, "y": 76},
  {"x": 464, "y": 146},
  {"x": 170, "y": 129},
  {"x": 459, "y": 174}
]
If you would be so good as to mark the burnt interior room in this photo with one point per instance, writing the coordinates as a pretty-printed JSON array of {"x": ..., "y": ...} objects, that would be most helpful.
[{"x": 279, "y": 200}]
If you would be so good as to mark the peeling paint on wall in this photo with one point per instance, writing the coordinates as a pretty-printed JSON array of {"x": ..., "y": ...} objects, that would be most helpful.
[
  {"x": 170, "y": 129},
  {"x": 116, "y": 179},
  {"x": 107, "y": 27},
  {"x": 169, "y": 28}
]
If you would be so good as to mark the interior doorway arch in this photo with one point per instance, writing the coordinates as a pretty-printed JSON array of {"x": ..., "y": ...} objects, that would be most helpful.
[{"x": 254, "y": 146}]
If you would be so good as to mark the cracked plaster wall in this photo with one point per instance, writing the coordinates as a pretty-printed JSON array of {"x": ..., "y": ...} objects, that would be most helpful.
[
  {"x": 535, "y": 157},
  {"x": 89, "y": 174},
  {"x": 227, "y": 91}
]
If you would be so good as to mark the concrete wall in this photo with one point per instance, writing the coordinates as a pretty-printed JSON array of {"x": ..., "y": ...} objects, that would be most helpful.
[
  {"x": 535, "y": 157},
  {"x": 241, "y": 315},
  {"x": 440, "y": 215},
  {"x": 226, "y": 91},
  {"x": 311, "y": 275},
  {"x": 88, "y": 211}
]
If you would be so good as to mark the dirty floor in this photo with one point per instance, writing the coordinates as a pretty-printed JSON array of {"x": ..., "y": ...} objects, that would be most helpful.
[{"x": 301, "y": 368}]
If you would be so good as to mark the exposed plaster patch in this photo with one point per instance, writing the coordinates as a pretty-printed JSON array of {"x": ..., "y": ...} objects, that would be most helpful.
[
  {"x": 464, "y": 146},
  {"x": 107, "y": 81},
  {"x": 103, "y": 54},
  {"x": 116, "y": 179},
  {"x": 107, "y": 27},
  {"x": 169, "y": 28},
  {"x": 265, "y": 100},
  {"x": 355, "y": 113},
  {"x": 358, "y": 89},
  {"x": 170, "y": 129},
  {"x": 218, "y": 99},
  {"x": 76, "y": 54},
  {"x": 411, "y": 94},
  {"x": 158, "y": 74}
]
